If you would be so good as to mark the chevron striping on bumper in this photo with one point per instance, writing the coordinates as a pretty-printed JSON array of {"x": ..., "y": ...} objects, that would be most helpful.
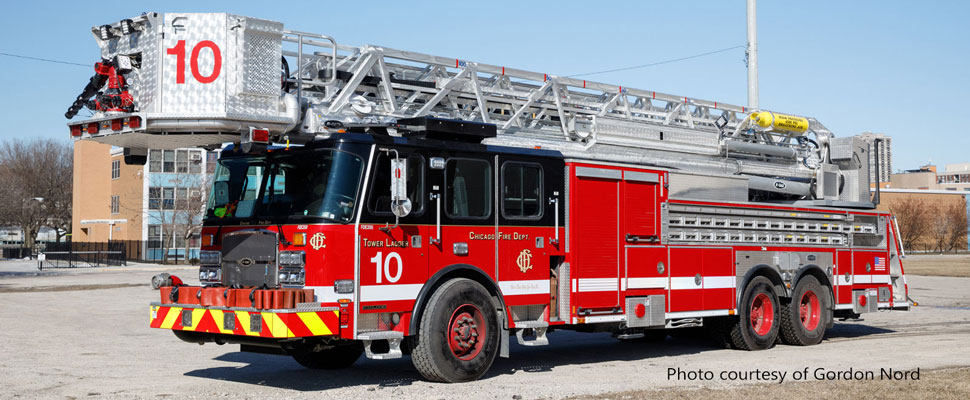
[{"x": 274, "y": 324}]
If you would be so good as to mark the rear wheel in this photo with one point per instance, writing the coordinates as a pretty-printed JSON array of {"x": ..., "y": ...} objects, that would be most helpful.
[
  {"x": 757, "y": 327},
  {"x": 803, "y": 319},
  {"x": 458, "y": 336},
  {"x": 341, "y": 355}
]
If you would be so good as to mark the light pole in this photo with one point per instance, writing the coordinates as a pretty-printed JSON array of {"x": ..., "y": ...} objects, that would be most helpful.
[{"x": 752, "y": 55}]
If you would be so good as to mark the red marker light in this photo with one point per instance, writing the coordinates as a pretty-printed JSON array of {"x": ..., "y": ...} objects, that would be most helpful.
[
  {"x": 93, "y": 128},
  {"x": 75, "y": 130},
  {"x": 862, "y": 300},
  {"x": 261, "y": 135},
  {"x": 117, "y": 124},
  {"x": 134, "y": 122}
]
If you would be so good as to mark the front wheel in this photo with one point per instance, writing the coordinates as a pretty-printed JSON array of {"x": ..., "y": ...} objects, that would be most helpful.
[
  {"x": 757, "y": 327},
  {"x": 459, "y": 333},
  {"x": 803, "y": 319}
]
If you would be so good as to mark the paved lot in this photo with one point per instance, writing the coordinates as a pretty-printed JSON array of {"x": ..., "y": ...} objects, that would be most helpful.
[{"x": 78, "y": 333}]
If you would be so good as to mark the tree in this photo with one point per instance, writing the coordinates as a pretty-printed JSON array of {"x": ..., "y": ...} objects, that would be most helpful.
[
  {"x": 913, "y": 215},
  {"x": 37, "y": 180},
  {"x": 957, "y": 222}
]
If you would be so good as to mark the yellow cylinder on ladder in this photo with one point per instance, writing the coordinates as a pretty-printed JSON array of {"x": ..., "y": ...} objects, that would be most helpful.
[{"x": 779, "y": 122}]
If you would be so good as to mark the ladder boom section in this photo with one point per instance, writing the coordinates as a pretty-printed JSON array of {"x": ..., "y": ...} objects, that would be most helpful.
[{"x": 323, "y": 87}]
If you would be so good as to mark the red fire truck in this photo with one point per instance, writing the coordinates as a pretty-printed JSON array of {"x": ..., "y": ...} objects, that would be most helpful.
[{"x": 389, "y": 202}]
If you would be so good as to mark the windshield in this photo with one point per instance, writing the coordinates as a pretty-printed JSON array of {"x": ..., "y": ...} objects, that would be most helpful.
[{"x": 300, "y": 184}]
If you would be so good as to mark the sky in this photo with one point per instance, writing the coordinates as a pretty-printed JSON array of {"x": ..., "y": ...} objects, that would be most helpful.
[{"x": 893, "y": 67}]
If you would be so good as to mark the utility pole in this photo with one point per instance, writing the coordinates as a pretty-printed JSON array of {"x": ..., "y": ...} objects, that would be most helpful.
[{"x": 752, "y": 55}]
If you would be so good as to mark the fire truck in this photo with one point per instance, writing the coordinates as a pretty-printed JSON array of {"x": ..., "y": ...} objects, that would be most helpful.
[{"x": 385, "y": 202}]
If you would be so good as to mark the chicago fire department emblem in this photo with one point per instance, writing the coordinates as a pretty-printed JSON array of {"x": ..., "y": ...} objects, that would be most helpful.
[
  {"x": 524, "y": 260},
  {"x": 316, "y": 241}
]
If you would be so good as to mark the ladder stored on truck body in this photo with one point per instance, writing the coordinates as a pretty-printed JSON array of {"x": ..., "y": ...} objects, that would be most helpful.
[{"x": 178, "y": 80}]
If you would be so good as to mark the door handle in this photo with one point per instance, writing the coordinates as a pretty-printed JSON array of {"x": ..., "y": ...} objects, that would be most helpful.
[{"x": 641, "y": 238}]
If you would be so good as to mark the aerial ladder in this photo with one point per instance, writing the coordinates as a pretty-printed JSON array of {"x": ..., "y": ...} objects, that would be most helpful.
[{"x": 205, "y": 79}]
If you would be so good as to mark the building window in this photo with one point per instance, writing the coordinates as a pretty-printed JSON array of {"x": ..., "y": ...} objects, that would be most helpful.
[
  {"x": 154, "y": 161},
  {"x": 154, "y": 236},
  {"x": 114, "y": 204},
  {"x": 182, "y": 198},
  {"x": 168, "y": 198},
  {"x": 182, "y": 161},
  {"x": 154, "y": 198},
  {"x": 116, "y": 169},
  {"x": 168, "y": 161},
  {"x": 521, "y": 191},
  {"x": 195, "y": 162}
]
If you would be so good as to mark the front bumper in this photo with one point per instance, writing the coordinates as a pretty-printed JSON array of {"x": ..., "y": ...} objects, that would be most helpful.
[{"x": 275, "y": 324}]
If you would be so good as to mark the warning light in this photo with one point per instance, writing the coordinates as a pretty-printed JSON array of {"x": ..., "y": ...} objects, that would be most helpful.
[
  {"x": 299, "y": 239},
  {"x": 93, "y": 128},
  {"x": 117, "y": 124},
  {"x": 640, "y": 310},
  {"x": 261, "y": 135},
  {"x": 862, "y": 300},
  {"x": 75, "y": 130},
  {"x": 134, "y": 122}
]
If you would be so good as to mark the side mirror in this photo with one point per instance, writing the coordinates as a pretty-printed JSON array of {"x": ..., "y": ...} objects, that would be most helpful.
[{"x": 400, "y": 204}]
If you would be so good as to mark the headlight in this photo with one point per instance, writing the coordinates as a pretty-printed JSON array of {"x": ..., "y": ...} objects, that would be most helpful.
[
  {"x": 209, "y": 257},
  {"x": 291, "y": 275},
  {"x": 209, "y": 274},
  {"x": 296, "y": 258}
]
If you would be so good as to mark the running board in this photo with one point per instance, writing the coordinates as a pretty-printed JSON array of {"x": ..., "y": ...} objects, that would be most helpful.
[
  {"x": 684, "y": 323},
  {"x": 393, "y": 342}
]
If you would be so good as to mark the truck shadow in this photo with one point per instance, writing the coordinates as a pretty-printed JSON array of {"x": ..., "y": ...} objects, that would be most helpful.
[
  {"x": 566, "y": 348},
  {"x": 854, "y": 330}
]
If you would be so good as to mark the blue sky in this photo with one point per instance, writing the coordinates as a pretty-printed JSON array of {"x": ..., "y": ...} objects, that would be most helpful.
[{"x": 855, "y": 65}]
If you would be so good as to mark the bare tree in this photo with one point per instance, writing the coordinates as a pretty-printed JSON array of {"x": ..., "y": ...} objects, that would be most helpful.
[
  {"x": 914, "y": 219},
  {"x": 37, "y": 186},
  {"x": 939, "y": 230},
  {"x": 956, "y": 214}
]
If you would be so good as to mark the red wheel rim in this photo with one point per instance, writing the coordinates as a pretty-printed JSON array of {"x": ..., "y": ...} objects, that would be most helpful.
[
  {"x": 466, "y": 332},
  {"x": 809, "y": 310},
  {"x": 762, "y": 314}
]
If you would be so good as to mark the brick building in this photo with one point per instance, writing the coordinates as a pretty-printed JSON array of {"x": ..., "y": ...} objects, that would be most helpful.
[{"x": 152, "y": 206}]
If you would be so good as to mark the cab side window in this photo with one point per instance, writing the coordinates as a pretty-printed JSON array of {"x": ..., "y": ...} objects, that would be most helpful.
[
  {"x": 468, "y": 188},
  {"x": 379, "y": 202},
  {"x": 521, "y": 190}
]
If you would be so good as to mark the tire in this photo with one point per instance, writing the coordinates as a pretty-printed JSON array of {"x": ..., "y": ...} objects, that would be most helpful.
[
  {"x": 458, "y": 337},
  {"x": 804, "y": 318},
  {"x": 759, "y": 310},
  {"x": 342, "y": 355}
]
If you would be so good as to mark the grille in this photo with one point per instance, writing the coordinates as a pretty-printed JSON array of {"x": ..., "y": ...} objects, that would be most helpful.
[{"x": 249, "y": 259}]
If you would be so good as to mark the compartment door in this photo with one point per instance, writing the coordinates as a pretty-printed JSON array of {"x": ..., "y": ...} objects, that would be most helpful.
[{"x": 596, "y": 224}]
